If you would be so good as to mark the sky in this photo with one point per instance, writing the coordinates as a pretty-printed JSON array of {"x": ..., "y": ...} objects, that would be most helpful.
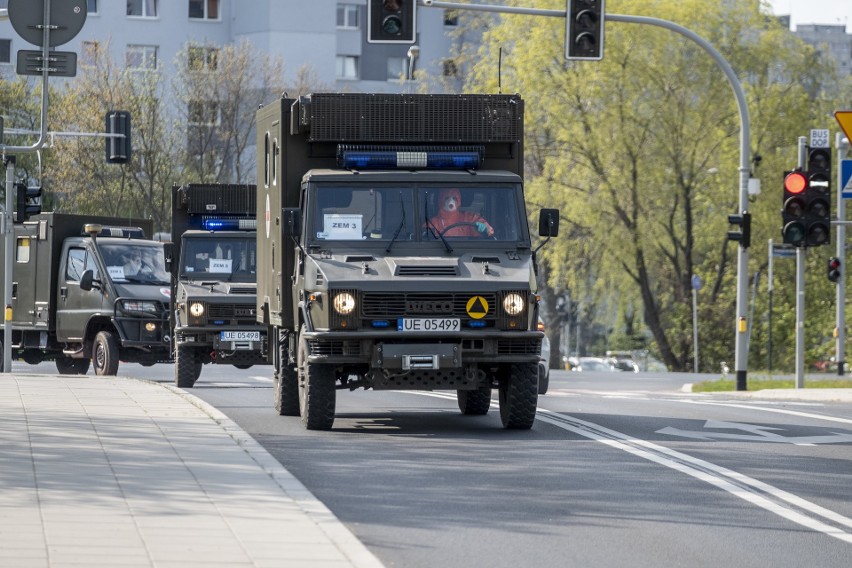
[{"x": 815, "y": 11}]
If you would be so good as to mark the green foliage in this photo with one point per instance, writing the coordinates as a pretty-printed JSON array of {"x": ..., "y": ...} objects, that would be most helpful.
[
  {"x": 725, "y": 385},
  {"x": 641, "y": 153}
]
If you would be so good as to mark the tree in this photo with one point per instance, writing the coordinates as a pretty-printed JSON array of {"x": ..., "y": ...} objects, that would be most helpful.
[{"x": 640, "y": 151}]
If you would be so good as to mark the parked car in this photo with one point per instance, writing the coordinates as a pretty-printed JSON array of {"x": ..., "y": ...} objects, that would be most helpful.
[
  {"x": 543, "y": 363},
  {"x": 623, "y": 364}
]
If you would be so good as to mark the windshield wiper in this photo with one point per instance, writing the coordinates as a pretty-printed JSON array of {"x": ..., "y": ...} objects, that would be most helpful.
[
  {"x": 433, "y": 229},
  {"x": 401, "y": 225}
]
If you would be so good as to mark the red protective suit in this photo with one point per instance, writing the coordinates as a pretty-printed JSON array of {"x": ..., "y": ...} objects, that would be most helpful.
[{"x": 450, "y": 213}]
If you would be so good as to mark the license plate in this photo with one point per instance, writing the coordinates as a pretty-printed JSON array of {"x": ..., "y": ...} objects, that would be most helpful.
[
  {"x": 428, "y": 324},
  {"x": 239, "y": 336}
]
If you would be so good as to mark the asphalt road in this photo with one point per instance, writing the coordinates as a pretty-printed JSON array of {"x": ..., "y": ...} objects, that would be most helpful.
[{"x": 619, "y": 470}]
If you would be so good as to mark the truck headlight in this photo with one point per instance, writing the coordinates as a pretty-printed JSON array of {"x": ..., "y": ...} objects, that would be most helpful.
[
  {"x": 513, "y": 304},
  {"x": 344, "y": 303},
  {"x": 196, "y": 309},
  {"x": 131, "y": 307}
]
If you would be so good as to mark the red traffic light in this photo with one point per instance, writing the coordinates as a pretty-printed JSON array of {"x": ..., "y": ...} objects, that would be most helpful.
[
  {"x": 834, "y": 269},
  {"x": 795, "y": 182}
]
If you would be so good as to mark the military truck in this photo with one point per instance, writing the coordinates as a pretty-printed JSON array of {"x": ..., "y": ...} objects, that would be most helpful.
[
  {"x": 390, "y": 257},
  {"x": 213, "y": 262},
  {"x": 88, "y": 290}
]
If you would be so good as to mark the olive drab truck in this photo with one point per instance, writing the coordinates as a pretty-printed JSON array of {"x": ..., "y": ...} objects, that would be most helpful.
[
  {"x": 394, "y": 251},
  {"x": 88, "y": 291},
  {"x": 213, "y": 264}
]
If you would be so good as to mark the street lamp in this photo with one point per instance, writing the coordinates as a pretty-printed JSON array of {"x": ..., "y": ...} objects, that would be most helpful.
[{"x": 413, "y": 53}]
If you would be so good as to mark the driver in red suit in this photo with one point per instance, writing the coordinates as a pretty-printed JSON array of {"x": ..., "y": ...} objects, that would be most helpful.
[{"x": 450, "y": 213}]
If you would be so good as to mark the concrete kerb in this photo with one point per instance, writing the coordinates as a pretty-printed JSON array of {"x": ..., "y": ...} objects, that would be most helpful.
[
  {"x": 804, "y": 394},
  {"x": 325, "y": 520}
]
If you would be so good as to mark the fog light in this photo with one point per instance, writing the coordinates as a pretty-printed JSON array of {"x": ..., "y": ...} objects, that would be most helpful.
[{"x": 150, "y": 326}]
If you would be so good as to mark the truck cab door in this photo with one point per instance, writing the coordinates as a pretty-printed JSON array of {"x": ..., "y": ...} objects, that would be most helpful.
[{"x": 75, "y": 306}]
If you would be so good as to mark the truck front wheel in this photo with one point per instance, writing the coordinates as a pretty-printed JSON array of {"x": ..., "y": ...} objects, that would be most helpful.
[
  {"x": 316, "y": 391},
  {"x": 68, "y": 366},
  {"x": 519, "y": 396},
  {"x": 187, "y": 367},
  {"x": 105, "y": 354}
]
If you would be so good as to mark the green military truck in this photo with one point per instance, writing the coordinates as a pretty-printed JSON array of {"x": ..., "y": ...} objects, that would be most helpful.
[
  {"x": 394, "y": 251},
  {"x": 213, "y": 265},
  {"x": 88, "y": 290}
]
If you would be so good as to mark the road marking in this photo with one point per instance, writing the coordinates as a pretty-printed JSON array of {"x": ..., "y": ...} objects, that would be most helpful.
[
  {"x": 756, "y": 434},
  {"x": 776, "y": 410},
  {"x": 775, "y": 500}
]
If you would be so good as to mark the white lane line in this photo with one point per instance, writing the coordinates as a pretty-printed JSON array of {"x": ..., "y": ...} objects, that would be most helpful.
[
  {"x": 756, "y": 492},
  {"x": 776, "y": 410}
]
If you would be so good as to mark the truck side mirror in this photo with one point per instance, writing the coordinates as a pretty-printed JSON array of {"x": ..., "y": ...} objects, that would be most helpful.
[
  {"x": 87, "y": 281},
  {"x": 548, "y": 223},
  {"x": 168, "y": 253},
  {"x": 292, "y": 222}
]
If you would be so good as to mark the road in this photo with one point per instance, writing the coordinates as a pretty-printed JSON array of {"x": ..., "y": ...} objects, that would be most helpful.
[{"x": 619, "y": 470}]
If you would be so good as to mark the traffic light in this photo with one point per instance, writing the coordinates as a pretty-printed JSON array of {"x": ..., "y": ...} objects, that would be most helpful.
[
  {"x": 743, "y": 236},
  {"x": 118, "y": 143},
  {"x": 584, "y": 29},
  {"x": 818, "y": 198},
  {"x": 391, "y": 21},
  {"x": 834, "y": 272},
  {"x": 27, "y": 202},
  {"x": 793, "y": 210}
]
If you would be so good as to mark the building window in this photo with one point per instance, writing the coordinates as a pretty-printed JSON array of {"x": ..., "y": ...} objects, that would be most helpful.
[
  {"x": 142, "y": 8},
  {"x": 5, "y": 50},
  {"x": 397, "y": 68},
  {"x": 203, "y": 58},
  {"x": 92, "y": 6},
  {"x": 450, "y": 68},
  {"x": 347, "y": 67},
  {"x": 451, "y": 18},
  {"x": 89, "y": 53},
  {"x": 347, "y": 16},
  {"x": 141, "y": 57},
  {"x": 203, "y": 113},
  {"x": 204, "y": 9}
]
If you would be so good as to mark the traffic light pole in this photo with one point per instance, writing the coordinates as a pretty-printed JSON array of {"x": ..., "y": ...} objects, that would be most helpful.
[
  {"x": 800, "y": 289},
  {"x": 9, "y": 249},
  {"x": 842, "y": 146},
  {"x": 741, "y": 324}
]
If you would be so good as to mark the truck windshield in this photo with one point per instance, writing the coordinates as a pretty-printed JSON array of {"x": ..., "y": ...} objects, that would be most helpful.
[
  {"x": 135, "y": 262},
  {"x": 418, "y": 214},
  {"x": 220, "y": 257}
]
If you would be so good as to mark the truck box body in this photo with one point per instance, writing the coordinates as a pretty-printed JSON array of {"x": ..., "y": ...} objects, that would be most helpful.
[{"x": 394, "y": 250}]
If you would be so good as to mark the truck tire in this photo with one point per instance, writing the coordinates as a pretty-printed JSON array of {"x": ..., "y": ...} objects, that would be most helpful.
[
  {"x": 317, "y": 393},
  {"x": 286, "y": 384},
  {"x": 475, "y": 402},
  {"x": 105, "y": 354},
  {"x": 187, "y": 367},
  {"x": 519, "y": 396},
  {"x": 68, "y": 366}
]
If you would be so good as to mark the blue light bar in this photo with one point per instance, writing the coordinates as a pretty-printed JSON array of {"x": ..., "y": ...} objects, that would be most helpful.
[
  {"x": 384, "y": 158},
  {"x": 214, "y": 224},
  {"x": 380, "y": 323},
  {"x": 476, "y": 323}
]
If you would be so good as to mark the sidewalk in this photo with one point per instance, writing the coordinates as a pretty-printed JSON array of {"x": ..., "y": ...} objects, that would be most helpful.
[{"x": 122, "y": 472}]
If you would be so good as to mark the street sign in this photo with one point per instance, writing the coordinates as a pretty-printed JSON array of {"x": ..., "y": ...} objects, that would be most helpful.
[
  {"x": 59, "y": 63},
  {"x": 66, "y": 19},
  {"x": 844, "y": 119},
  {"x": 846, "y": 179},
  {"x": 819, "y": 138},
  {"x": 783, "y": 251}
]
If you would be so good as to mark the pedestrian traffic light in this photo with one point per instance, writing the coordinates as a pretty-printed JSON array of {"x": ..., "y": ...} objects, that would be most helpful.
[
  {"x": 27, "y": 202},
  {"x": 584, "y": 29},
  {"x": 793, "y": 209},
  {"x": 743, "y": 236},
  {"x": 391, "y": 21},
  {"x": 834, "y": 271},
  {"x": 118, "y": 137}
]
